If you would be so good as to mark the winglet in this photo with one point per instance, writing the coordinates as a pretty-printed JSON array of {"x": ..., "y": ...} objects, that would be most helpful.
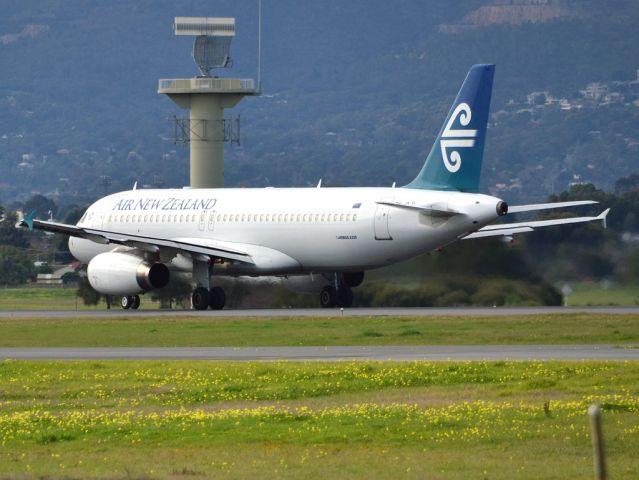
[
  {"x": 27, "y": 221},
  {"x": 602, "y": 216}
]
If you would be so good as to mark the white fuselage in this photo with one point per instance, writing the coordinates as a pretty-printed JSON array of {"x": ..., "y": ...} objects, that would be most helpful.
[{"x": 291, "y": 230}]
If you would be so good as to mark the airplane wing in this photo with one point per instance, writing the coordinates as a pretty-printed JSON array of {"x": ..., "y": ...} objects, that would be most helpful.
[
  {"x": 509, "y": 229},
  {"x": 149, "y": 244}
]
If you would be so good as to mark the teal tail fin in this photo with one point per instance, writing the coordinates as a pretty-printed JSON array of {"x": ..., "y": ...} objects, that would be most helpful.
[{"x": 454, "y": 162}]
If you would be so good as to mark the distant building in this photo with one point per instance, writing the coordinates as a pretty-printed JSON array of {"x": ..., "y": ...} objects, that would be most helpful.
[
  {"x": 537, "y": 98},
  {"x": 613, "y": 97},
  {"x": 595, "y": 91}
]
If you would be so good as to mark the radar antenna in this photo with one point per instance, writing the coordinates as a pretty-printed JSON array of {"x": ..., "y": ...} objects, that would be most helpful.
[{"x": 212, "y": 45}]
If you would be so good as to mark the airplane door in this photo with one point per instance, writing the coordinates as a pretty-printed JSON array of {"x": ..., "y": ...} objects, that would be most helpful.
[
  {"x": 381, "y": 223},
  {"x": 202, "y": 219},
  {"x": 212, "y": 220}
]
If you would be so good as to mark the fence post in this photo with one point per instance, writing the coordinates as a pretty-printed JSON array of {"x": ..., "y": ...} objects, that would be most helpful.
[{"x": 594, "y": 412}]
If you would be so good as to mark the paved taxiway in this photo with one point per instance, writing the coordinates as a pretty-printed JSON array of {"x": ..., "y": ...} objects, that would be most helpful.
[
  {"x": 396, "y": 353},
  {"x": 320, "y": 312}
]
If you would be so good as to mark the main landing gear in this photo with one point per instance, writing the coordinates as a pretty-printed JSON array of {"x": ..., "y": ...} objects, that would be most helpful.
[
  {"x": 340, "y": 297},
  {"x": 340, "y": 293},
  {"x": 202, "y": 298},
  {"x": 130, "y": 301}
]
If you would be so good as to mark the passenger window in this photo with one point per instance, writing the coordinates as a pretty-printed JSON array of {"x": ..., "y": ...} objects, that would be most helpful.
[
  {"x": 354, "y": 216},
  {"x": 127, "y": 219}
]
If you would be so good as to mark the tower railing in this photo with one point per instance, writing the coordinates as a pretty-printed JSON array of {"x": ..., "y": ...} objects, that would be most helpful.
[{"x": 185, "y": 85}]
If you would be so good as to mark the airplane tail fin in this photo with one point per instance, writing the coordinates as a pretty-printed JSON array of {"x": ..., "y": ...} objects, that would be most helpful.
[{"x": 454, "y": 162}]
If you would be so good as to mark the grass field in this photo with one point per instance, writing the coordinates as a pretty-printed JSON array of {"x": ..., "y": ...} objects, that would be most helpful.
[
  {"x": 353, "y": 420},
  {"x": 494, "y": 420},
  {"x": 198, "y": 331},
  {"x": 603, "y": 293},
  {"x": 54, "y": 298}
]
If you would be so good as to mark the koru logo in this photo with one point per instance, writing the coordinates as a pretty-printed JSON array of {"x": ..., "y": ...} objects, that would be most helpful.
[{"x": 461, "y": 138}]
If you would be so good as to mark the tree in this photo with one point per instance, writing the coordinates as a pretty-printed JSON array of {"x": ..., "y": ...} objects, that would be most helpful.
[
  {"x": 15, "y": 266},
  {"x": 71, "y": 278},
  {"x": 10, "y": 235},
  {"x": 41, "y": 205},
  {"x": 87, "y": 293},
  {"x": 177, "y": 290}
]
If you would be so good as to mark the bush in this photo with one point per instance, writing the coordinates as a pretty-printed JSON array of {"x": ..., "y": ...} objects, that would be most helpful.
[
  {"x": 15, "y": 266},
  {"x": 459, "y": 291}
]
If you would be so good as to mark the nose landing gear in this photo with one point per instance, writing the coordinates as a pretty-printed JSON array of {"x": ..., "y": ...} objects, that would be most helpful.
[
  {"x": 341, "y": 297},
  {"x": 130, "y": 301}
]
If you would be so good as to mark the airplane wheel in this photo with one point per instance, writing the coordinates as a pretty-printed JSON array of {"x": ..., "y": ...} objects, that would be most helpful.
[
  {"x": 328, "y": 297},
  {"x": 126, "y": 302},
  {"x": 200, "y": 298},
  {"x": 345, "y": 297},
  {"x": 136, "y": 302},
  {"x": 217, "y": 298}
]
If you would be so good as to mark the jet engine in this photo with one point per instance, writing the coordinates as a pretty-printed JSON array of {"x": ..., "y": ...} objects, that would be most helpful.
[{"x": 116, "y": 273}]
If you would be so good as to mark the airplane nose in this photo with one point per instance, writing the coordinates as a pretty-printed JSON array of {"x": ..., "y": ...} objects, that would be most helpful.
[{"x": 502, "y": 208}]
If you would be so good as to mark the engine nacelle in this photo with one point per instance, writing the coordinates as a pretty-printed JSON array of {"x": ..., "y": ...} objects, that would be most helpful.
[{"x": 115, "y": 273}]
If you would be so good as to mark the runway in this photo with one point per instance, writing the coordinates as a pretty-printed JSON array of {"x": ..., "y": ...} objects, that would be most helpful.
[
  {"x": 393, "y": 353},
  {"x": 321, "y": 312}
]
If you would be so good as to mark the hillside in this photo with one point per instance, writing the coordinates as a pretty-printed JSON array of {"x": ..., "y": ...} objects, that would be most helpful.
[{"x": 355, "y": 92}]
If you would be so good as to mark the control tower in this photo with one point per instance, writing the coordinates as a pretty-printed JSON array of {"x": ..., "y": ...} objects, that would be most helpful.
[{"x": 206, "y": 96}]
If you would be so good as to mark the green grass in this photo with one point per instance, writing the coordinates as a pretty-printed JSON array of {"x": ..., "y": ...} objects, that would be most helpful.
[
  {"x": 54, "y": 298},
  {"x": 182, "y": 419},
  {"x": 197, "y": 331},
  {"x": 602, "y": 293}
]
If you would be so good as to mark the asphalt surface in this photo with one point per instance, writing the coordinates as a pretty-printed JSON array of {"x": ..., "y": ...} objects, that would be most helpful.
[
  {"x": 320, "y": 312},
  {"x": 396, "y": 353}
]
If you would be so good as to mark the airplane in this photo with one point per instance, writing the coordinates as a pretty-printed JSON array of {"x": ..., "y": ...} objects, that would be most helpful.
[{"x": 318, "y": 240}]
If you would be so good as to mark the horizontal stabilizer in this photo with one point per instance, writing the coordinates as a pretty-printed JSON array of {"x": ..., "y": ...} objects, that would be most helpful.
[
  {"x": 547, "y": 206},
  {"x": 509, "y": 229}
]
